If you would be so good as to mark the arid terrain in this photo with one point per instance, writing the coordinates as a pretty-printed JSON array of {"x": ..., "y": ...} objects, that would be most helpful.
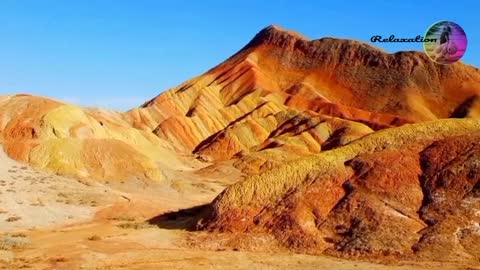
[
  {"x": 291, "y": 154},
  {"x": 53, "y": 222}
]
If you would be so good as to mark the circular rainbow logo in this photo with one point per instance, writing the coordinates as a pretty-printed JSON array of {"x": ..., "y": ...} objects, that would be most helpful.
[{"x": 449, "y": 45}]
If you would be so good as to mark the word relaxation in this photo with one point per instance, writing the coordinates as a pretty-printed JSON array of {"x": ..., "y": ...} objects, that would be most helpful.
[{"x": 392, "y": 38}]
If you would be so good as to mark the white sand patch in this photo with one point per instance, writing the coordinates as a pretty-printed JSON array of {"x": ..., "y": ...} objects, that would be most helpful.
[{"x": 33, "y": 199}]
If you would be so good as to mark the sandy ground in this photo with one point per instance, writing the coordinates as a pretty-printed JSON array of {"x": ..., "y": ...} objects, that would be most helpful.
[
  {"x": 31, "y": 199},
  {"x": 53, "y": 222}
]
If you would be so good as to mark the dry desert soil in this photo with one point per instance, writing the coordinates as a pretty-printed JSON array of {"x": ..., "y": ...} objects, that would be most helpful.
[{"x": 54, "y": 222}]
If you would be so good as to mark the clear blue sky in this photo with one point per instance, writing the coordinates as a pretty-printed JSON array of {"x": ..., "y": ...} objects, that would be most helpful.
[{"x": 118, "y": 53}]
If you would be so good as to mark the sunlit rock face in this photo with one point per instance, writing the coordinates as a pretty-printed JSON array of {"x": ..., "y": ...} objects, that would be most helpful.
[{"x": 69, "y": 140}]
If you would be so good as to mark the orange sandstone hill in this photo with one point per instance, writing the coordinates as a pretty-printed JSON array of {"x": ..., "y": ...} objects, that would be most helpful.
[
  {"x": 279, "y": 98},
  {"x": 86, "y": 143},
  {"x": 411, "y": 192},
  {"x": 375, "y": 171},
  {"x": 284, "y": 96}
]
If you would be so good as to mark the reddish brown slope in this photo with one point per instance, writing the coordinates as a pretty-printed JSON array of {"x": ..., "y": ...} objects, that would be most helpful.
[
  {"x": 280, "y": 70},
  {"x": 410, "y": 192}
]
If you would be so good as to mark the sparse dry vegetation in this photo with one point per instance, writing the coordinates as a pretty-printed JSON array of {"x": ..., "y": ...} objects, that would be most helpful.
[
  {"x": 94, "y": 238},
  {"x": 13, "y": 241},
  {"x": 13, "y": 219},
  {"x": 123, "y": 218},
  {"x": 135, "y": 225}
]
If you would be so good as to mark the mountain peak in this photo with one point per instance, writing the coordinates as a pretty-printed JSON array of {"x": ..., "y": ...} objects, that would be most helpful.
[
  {"x": 274, "y": 34},
  {"x": 277, "y": 29}
]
